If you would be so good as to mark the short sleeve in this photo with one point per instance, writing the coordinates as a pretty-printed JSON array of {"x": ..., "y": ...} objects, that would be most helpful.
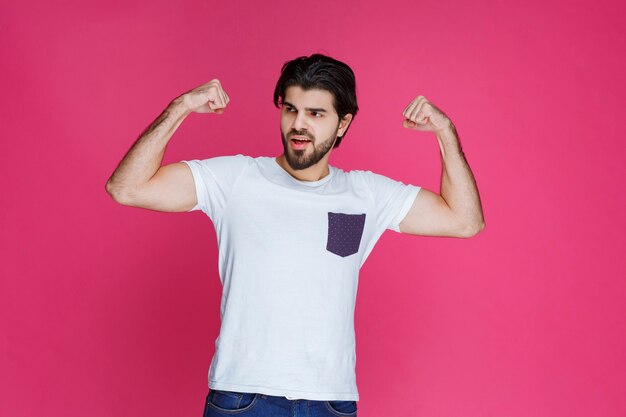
[
  {"x": 214, "y": 181},
  {"x": 392, "y": 199}
]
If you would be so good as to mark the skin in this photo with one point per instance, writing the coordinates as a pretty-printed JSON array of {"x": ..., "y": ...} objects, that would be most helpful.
[
  {"x": 457, "y": 211},
  {"x": 141, "y": 181},
  {"x": 311, "y": 114}
]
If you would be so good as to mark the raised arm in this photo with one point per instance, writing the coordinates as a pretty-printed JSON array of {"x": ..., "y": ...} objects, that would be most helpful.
[
  {"x": 457, "y": 212},
  {"x": 139, "y": 180}
]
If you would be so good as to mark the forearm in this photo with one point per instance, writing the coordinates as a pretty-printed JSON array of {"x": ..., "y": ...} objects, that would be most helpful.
[
  {"x": 458, "y": 186},
  {"x": 144, "y": 158}
]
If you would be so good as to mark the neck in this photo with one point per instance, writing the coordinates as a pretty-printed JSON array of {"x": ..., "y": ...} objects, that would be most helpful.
[{"x": 313, "y": 173}]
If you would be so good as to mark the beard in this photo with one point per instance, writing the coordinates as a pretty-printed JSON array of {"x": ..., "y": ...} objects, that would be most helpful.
[{"x": 303, "y": 158}]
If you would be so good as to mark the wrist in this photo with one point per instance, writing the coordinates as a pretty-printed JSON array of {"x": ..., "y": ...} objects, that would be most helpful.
[
  {"x": 448, "y": 141},
  {"x": 447, "y": 133},
  {"x": 179, "y": 107}
]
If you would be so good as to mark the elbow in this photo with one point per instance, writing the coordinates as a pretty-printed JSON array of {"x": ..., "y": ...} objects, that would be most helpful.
[
  {"x": 473, "y": 229},
  {"x": 108, "y": 188},
  {"x": 116, "y": 194}
]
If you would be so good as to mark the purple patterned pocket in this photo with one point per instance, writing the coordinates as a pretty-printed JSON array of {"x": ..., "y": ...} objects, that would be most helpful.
[{"x": 344, "y": 233}]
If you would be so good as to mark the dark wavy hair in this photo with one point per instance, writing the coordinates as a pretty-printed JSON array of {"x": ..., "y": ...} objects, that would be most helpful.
[{"x": 324, "y": 73}]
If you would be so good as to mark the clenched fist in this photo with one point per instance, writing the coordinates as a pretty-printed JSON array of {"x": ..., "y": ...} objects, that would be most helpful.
[
  {"x": 422, "y": 115},
  {"x": 208, "y": 98}
]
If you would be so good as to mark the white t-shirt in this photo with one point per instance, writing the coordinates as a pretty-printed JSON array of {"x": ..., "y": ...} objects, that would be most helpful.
[{"x": 289, "y": 258}]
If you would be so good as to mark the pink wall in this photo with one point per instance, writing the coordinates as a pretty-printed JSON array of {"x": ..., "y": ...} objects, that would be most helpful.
[{"x": 113, "y": 311}]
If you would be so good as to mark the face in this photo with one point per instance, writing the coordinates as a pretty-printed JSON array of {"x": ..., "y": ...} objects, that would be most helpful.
[{"x": 309, "y": 126}]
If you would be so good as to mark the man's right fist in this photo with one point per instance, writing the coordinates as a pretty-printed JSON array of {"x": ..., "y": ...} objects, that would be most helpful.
[{"x": 208, "y": 98}]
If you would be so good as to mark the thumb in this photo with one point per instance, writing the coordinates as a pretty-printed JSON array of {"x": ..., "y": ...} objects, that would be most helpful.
[
  {"x": 408, "y": 124},
  {"x": 216, "y": 107}
]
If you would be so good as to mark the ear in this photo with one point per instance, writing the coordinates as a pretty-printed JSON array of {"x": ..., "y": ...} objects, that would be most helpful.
[{"x": 343, "y": 124}]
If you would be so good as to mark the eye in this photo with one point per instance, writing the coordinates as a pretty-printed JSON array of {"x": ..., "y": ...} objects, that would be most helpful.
[
  {"x": 316, "y": 114},
  {"x": 290, "y": 109}
]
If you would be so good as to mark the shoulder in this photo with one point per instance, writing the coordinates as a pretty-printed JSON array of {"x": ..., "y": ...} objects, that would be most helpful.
[
  {"x": 226, "y": 160},
  {"x": 357, "y": 180},
  {"x": 366, "y": 176},
  {"x": 220, "y": 166},
  {"x": 352, "y": 174},
  {"x": 233, "y": 158}
]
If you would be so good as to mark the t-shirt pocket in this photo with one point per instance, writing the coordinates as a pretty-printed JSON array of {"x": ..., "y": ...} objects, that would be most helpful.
[{"x": 344, "y": 233}]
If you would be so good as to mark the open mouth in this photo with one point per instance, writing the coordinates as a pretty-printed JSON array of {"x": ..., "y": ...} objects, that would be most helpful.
[{"x": 299, "y": 142}]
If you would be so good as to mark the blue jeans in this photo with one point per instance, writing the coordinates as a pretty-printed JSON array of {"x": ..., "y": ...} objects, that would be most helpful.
[{"x": 229, "y": 403}]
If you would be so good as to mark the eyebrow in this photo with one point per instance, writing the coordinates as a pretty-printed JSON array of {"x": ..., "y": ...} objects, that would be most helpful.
[{"x": 319, "y": 110}]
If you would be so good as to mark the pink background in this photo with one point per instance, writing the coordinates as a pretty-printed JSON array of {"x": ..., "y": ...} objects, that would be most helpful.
[{"x": 108, "y": 310}]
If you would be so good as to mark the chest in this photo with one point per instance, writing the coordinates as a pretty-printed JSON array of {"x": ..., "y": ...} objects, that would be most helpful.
[{"x": 332, "y": 220}]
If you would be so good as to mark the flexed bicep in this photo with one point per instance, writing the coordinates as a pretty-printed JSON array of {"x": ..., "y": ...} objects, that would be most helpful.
[{"x": 430, "y": 215}]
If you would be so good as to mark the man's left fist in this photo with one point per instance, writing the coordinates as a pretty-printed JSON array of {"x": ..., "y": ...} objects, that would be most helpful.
[{"x": 422, "y": 115}]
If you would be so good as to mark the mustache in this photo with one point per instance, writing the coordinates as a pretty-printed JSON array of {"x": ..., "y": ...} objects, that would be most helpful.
[{"x": 300, "y": 133}]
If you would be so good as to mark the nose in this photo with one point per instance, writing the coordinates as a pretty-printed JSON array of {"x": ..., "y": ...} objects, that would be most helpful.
[{"x": 300, "y": 123}]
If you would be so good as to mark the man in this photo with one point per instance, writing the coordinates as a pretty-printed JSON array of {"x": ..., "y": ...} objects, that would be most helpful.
[{"x": 293, "y": 232}]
